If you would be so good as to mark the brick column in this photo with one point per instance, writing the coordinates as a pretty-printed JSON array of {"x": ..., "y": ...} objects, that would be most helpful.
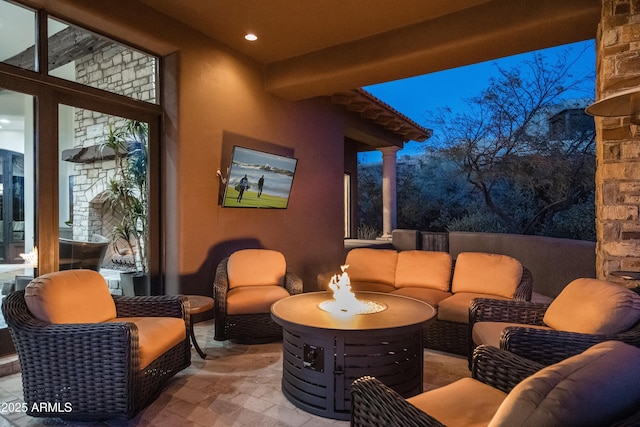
[{"x": 618, "y": 149}]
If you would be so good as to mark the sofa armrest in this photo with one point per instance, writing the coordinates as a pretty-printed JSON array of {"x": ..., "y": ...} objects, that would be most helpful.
[
  {"x": 292, "y": 283},
  {"x": 374, "y": 404},
  {"x": 501, "y": 369},
  {"x": 491, "y": 310},
  {"x": 525, "y": 287}
]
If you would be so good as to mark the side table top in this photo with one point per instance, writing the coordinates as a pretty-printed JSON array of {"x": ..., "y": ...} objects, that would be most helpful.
[
  {"x": 199, "y": 303},
  {"x": 302, "y": 309}
]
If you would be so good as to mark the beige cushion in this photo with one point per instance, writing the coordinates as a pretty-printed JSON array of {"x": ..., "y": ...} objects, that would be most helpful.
[
  {"x": 256, "y": 267},
  {"x": 464, "y": 403},
  {"x": 425, "y": 269},
  {"x": 486, "y": 274},
  {"x": 372, "y": 265},
  {"x": 156, "y": 335},
  {"x": 490, "y": 332},
  {"x": 254, "y": 299},
  {"x": 371, "y": 286},
  {"x": 593, "y": 388},
  {"x": 430, "y": 296},
  {"x": 592, "y": 306},
  {"x": 456, "y": 307},
  {"x": 70, "y": 296}
]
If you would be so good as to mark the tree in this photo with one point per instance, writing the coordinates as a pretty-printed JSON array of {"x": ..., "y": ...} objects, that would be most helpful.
[
  {"x": 127, "y": 190},
  {"x": 525, "y": 172}
]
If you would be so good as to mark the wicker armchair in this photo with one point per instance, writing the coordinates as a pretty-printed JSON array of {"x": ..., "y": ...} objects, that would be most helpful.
[
  {"x": 501, "y": 373},
  {"x": 92, "y": 371},
  {"x": 525, "y": 332},
  {"x": 244, "y": 292}
]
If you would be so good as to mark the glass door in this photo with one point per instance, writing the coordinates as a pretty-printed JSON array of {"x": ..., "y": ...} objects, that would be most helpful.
[{"x": 16, "y": 197}]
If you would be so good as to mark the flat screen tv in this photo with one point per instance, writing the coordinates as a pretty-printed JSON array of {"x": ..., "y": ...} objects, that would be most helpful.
[{"x": 258, "y": 179}]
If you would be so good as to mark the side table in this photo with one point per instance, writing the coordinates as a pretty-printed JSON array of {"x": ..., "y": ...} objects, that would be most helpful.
[{"x": 197, "y": 304}]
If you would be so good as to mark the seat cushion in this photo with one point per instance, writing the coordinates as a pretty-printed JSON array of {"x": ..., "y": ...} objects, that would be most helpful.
[
  {"x": 592, "y": 306},
  {"x": 485, "y": 273},
  {"x": 256, "y": 267},
  {"x": 456, "y": 307},
  {"x": 593, "y": 388},
  {"x": 465, "y": 403},
  {"x": 70, "y": 296},
  {"x": 372, "y": 265},
  {"x": 425, "y": 269},
  {"x": 490, "y": 332},
  {"x": 430, "y": 296},
  {"x": 254, "y": 299},
  {"x": 156, "y": 335}
]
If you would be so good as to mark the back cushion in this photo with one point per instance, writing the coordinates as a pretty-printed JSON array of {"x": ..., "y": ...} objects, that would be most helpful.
[
  {"x": 484, "y": 273},
  {"x": 256, "y": 267},
  {"x": 372, "y": 265},
  {"x": 592, "y": 306},
  {"x": 423, "y": 269},
  {"x": 594, "y": 388},
  {"x": 70, "y": 296}
]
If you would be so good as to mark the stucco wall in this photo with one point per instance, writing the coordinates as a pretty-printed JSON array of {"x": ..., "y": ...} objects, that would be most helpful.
[{"x": 208, "y": 89}]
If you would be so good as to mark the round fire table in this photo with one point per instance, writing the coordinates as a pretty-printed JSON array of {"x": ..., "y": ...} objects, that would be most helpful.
[{"x": 323, "y": 353}]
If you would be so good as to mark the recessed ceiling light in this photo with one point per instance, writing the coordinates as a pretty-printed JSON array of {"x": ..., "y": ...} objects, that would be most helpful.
[
  {"x": 4, "y": 121},
  {"x": 250, "y": 37}
]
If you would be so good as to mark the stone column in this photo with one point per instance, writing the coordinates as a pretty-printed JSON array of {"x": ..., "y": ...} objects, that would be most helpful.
[
  {"x": 618, "y": 149},
  {"x": 389, "y": 202}
]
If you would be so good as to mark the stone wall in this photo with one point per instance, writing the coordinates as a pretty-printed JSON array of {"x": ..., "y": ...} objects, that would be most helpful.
[
  {"x": 618, "y": 143},
  {"x": 118, "y": 70}
]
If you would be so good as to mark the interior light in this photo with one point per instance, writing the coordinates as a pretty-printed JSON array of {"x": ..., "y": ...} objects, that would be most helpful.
[
  {"x": 4, "y": 121},
  {"x": 250, "y": 37}
]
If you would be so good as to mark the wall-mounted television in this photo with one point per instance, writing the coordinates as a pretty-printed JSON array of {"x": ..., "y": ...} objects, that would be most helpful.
[{"x": 258, "y": 179}]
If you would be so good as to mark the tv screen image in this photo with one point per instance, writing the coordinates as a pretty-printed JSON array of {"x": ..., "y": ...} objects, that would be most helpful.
[{"x": 259, "y": 180}]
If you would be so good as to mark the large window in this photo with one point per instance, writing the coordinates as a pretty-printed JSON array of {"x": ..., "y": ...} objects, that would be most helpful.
[{"x": 64, "y": 123}]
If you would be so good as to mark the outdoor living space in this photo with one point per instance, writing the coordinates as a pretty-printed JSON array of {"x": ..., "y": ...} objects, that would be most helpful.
[
  {"x": 236, "y": 385},
  {"x": 141, "y": 121}
]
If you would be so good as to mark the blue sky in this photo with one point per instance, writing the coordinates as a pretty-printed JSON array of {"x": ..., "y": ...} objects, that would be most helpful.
[{"x": 417, "y": 97}]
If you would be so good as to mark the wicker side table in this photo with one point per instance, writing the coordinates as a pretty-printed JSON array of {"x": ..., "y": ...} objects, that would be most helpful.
[{"x": 198, "y": 304}]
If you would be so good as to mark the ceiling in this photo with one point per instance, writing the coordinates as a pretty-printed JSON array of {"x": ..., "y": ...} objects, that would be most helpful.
[{"x": 312, "y": 48}]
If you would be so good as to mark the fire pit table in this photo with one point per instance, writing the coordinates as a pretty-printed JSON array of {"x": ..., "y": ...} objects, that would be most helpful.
[{"x": 324, "y": 352}]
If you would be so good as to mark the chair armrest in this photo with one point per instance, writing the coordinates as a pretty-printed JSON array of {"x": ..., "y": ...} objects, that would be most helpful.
[
  {"x": 547, "y": 346},
  {"x": 501, "y": 369},
  {"x": 525, "y": 287},
  {"x": 374, "y": 404},
  {"x": 151, "y": 306},
  {"x": 292, "y": 283},
  {"x": 492, "y": 310}
]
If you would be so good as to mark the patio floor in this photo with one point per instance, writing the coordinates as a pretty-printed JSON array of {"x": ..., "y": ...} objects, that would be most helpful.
[{"x": 237, "y": 385}]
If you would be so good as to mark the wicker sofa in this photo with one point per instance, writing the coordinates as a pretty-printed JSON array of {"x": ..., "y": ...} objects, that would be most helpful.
[
  {"x": 597, "y": 387},
  {"x": 447, "y": 285},
  {"x": 91, "y": 356}
]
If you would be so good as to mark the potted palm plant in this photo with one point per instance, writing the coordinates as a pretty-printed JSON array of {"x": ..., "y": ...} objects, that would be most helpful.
[{"x": 127, "y": 197}]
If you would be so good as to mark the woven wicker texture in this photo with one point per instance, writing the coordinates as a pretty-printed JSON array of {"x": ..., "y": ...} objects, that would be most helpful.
[
  {"x": 543, "y": 346},
  {"x": 92, "y": 369},
  {"x": 376, "y": 405},
  {"x": 246, "y": 328},
  {"x": 453, "y": 337}
]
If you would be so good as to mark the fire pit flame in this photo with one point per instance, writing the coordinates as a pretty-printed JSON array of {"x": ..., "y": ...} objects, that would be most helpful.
[{"x": 344, "y": 300}]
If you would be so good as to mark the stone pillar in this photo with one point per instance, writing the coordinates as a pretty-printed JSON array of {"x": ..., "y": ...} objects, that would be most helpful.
[
  {"x": 389, "y": 199},
  {"x": 618, "y": 150}
]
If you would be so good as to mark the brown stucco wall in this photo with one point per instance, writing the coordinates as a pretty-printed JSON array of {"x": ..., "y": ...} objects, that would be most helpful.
[
  {"x": 209, "y": 89},
  {"x": 618, "y": 150}
]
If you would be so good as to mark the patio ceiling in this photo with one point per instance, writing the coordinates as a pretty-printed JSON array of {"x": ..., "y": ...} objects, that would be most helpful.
[{"x": 323, "y": 47}]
